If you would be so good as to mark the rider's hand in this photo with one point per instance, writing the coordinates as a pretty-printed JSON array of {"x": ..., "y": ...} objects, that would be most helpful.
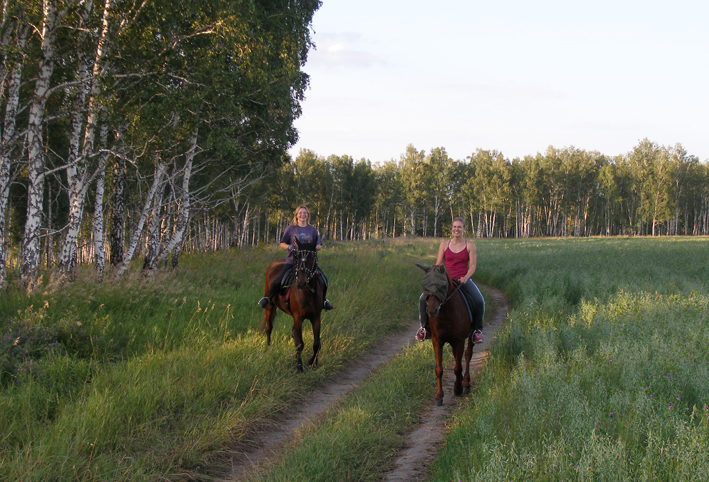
[{"x": 293, "y": 247}]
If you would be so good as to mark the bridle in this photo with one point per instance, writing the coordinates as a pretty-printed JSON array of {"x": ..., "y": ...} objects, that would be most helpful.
[
  {"x": 302, "y": 258},
  {"x": 441, "y": 303}
]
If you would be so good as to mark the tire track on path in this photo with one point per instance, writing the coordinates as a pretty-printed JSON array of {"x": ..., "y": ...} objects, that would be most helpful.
[{"x": 423, "y": 442}]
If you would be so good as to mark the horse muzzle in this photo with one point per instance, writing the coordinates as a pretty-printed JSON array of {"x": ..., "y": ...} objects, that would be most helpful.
[{"x": 432, "y": 312}]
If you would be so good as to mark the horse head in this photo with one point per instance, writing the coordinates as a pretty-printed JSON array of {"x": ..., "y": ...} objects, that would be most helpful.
[
  {"x": 305, "y": 263},
  {"x": 435, "y": 284}
]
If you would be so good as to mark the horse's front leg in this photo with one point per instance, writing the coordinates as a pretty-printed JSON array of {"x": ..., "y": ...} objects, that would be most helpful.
[
  {"x": 458, "y": 349},
  {"x": 438, "y": 351},
  {"x": 298, "y": 342},
  {"x": 316, "y": 340},
  {"x": 468, "y": 357}
]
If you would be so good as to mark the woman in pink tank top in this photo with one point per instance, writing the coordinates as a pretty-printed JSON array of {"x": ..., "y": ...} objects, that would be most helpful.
[{"x": 458, "y": 255}]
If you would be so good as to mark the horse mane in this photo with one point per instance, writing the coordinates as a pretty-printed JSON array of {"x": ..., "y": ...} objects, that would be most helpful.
[{"x": 307, "y": 246}]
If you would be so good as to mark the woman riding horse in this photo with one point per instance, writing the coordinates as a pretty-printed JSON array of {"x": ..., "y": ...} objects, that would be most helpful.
[
  {"x": 300, "y": 231},
  {"x": 459, "y": 257}
]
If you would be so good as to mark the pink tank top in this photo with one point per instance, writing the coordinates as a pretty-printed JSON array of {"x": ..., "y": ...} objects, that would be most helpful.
[{"x": 456, "y": 263}]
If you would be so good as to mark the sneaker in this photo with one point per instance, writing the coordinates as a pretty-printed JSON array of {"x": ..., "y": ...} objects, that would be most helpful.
[
  {"x": 263, "y": 302},
  {"x": 327, "y": 305},
  {"x": 422, "y": 334},
  {"x": 477, "y": 336}
]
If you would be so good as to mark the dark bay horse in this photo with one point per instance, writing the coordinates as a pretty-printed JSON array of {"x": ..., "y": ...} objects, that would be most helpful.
[
  {"x": 303, "y": 299},
  {"x": 449, "y": 322}
]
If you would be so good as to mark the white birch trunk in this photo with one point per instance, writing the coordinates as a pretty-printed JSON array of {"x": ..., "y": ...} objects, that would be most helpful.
[
  {"x": 158, "y": 183},
  {"x": 35, "y": 191},
  {"x": 99, "y": 253},
  {"x": 153, "y": 237},
  {"x": 78, "y": 176},
  {"x": 173, "y": 246},
  {"x": 7, "y": 142}
]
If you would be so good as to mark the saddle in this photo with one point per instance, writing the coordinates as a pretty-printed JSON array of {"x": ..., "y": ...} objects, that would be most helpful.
[
  {"x": 289, "y": 280},
  {"x": 286, "y": 283}
]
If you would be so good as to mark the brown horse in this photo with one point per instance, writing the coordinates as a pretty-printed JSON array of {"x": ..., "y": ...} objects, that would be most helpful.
[
  {"x": 449, "y": 322},
  {"x": 302, "y": 300}
]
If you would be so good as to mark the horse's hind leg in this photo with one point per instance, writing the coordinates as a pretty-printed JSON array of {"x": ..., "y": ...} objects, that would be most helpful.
[
  {"x": 468, "y": 357},
  {"x": 267, "y": 324},
  {"x": 316, "y": 342}
]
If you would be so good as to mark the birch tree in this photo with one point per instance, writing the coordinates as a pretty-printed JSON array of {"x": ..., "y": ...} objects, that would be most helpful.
[
  {"x": 14, "y": 32},
  {"x": 35, "y": 192}
]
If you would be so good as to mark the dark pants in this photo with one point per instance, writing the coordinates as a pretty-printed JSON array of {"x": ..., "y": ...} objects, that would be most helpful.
[{"x": 472, "y": 293}]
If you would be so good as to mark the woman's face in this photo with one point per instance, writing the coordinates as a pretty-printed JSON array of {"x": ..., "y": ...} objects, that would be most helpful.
[
  {"x": 457, "y": 229},
  {"x": 302, "y": 216}
]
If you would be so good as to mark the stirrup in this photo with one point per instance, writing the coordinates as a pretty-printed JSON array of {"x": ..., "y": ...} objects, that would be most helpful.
[
  {"x": 327, "y": 305},
  {"x": 264, "y": 302}
]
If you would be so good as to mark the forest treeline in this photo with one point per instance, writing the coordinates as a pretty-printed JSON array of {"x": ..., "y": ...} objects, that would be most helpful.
[
  {"x": 142, "y": 128},
  {"x": 652, "y": 190}
]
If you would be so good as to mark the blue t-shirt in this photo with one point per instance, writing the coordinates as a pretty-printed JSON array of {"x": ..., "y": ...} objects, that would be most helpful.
[{"x": 307, "y": 234}]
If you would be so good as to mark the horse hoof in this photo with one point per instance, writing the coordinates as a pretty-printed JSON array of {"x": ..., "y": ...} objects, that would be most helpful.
[
  {"x": 439, "y": 403},
  {"x": 466, "y": 390}
]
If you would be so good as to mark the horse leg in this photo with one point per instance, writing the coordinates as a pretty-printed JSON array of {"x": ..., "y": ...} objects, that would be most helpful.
[
  {"x": 468, "y": 356},
  {"x": 267, "y": 324},
  {"x": 298, "y": 341},
  {"x": 316, "y": 341},
  {"x": 458, "y": 370},
  {"x": 438, "y": 351}
]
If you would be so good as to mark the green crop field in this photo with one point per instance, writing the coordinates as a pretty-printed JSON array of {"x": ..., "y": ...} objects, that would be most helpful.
[{"x": 600, "y": 373}]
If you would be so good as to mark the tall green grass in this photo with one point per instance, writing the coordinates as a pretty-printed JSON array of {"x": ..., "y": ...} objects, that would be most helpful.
[
  {"x": 152, "y": 379},
  {"x": 602, "y": 372}
]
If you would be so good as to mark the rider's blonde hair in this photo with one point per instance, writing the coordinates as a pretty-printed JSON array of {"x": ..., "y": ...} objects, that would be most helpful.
[{"x": 295, "y": 214}]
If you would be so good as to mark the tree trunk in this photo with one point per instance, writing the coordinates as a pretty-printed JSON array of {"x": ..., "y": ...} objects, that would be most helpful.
[
  {"x": 7, "y": 142},
  {"x": 173, "y": 246},
  {"x": 35, "y": 190},
  {"x": 77, "y": 170},
  {"x": 99, "y": 256},
  {"x": 158, "y": 184}
]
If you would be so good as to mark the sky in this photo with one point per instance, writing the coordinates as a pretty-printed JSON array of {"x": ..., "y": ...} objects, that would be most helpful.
[{"x": 516, "y": 76}]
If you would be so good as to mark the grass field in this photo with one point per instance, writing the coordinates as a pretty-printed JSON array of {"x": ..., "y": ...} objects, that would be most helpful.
[{"x": 600, "y": 373}]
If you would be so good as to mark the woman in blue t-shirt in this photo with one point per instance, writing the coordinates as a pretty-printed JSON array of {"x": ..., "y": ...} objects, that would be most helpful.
[{"x": 302, "y": 231}]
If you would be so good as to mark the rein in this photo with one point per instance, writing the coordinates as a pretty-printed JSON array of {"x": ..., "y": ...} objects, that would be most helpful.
[{"x": 450, "y": 296}]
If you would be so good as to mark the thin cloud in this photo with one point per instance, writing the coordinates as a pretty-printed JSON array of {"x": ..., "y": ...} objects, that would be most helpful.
[{"x": 340, "y": 50}]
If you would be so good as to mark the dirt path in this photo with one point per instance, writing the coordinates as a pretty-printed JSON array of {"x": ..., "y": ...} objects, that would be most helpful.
[{"x": 422, "y": 443}]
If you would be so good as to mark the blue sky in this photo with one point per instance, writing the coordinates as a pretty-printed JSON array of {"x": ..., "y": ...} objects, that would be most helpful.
[{"x": 511, "y": 75}]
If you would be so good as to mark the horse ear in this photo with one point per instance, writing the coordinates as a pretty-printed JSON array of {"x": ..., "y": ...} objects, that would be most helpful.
[{"x": 425, "y": 268}]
